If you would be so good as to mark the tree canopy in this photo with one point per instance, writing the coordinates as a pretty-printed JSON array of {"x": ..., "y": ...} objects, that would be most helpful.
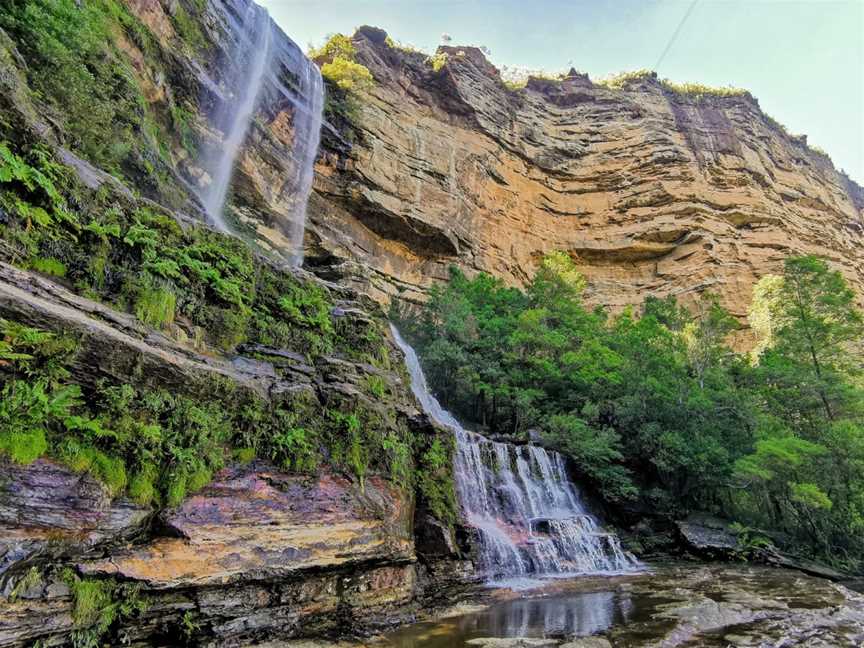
[{"x": 655, "y": 406}]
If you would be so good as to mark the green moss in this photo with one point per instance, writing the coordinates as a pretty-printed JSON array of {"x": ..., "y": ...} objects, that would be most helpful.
[
  {"x": 31, "y": 579},
  {"x": 245, "y": 455},
  {"x": 435, "y": 479},
  {"x": 81, "y": 457},
  {"x": 142, "y": 487},
  {"x": 155, "y": 306},
  {"x": 376, "y": 385},
  {"x": 48, "y": 266},
  {"x": 188, "y": 29},
  {"x": 98, "y": 604},
  {"x": 177, "y": 489}
]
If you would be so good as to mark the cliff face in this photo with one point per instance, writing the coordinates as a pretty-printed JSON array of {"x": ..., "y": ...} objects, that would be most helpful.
[
  {"x": 260, "y": 546},
  {"x": 652, "y": 191}
]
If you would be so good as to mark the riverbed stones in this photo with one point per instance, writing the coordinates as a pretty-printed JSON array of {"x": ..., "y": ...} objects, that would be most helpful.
[{"x": 521, "y": 642}]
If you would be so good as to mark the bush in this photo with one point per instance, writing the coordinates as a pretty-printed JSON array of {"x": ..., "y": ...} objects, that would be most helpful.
[{"x": 348, "y": 75}]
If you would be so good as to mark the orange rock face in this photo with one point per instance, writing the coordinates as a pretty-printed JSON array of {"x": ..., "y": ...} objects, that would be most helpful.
[
  {"x": 651, "y": 191},
  {"x": 262, "y": 524}
]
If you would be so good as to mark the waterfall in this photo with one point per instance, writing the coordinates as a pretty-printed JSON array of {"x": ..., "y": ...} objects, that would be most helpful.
[
  {"x": 233, "y": 115},
  {"x": 528, "y": 514},
  {"x": 271, "y": 71},
  {"x": 308, "y": 111}
]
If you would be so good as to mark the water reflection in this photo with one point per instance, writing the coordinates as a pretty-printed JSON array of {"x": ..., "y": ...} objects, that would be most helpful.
[{"x": 576, "y": 614}]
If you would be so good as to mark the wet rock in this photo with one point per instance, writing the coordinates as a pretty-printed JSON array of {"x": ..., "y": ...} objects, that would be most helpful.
[
  {"x": 707, "y": 536},
  {"x": 433, "y": 538},
  {"x": 588, "y": 642},
  {"x": 255, "y": 523},
  {"x": 48, "y": 511},
  {"x": 521, "y": 642}
]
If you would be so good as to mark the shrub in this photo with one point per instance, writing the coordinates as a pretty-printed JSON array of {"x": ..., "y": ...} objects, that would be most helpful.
[
  {"x": 348, "y": 75},
  {"x": 336, "y": 46},
  {"x": 438, "y": 61}
]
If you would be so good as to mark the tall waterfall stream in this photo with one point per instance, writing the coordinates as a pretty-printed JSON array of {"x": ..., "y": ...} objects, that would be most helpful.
[
  {"x": 254, "y": 66},
  {"x": 528, "y": 514}
]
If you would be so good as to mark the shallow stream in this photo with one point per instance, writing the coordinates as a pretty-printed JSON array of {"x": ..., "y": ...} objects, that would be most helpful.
[{"x": 673, "y": 605}]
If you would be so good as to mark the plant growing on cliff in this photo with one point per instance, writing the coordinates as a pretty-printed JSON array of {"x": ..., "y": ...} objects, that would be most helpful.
[
  {"x": 98, "y": 604},
  {"x": 696, "y": 91},
  {"x": 437, "y": 61},
  {"x": 346, "y": 78}
]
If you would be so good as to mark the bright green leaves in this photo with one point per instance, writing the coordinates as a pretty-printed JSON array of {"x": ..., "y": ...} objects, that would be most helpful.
[
  {"x": 662, "y": 401},
  {"x": 777, "y": 456},
  {"x": 811, "y": 496},
  {"x": 37, "y": 202},
  {"x": 27, "y": 410}
]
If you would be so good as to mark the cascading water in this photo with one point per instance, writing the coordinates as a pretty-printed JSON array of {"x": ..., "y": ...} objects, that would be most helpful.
[
  {"x": 308, "y": 111},
  {"x": 233, "y": 115},
  {"x": 261, "y": 66},
  {"x": 528, "y": 514}
]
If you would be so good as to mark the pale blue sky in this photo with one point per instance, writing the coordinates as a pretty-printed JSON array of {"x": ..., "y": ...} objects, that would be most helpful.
[{"x": 803, "y": 60}]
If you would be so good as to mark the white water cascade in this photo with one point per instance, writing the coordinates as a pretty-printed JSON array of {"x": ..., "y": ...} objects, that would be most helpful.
[
  {"x": 266, "y": 70},
  {"x": 529, "y": 517},
  {"x": 308, "y": 111},
  {"x": 233, "y": 115}
]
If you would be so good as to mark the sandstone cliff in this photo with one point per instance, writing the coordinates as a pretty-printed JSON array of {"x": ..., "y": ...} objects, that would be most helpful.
[
  {"x": 260, "y": 547},
  {"x": 652, "y": 191}
]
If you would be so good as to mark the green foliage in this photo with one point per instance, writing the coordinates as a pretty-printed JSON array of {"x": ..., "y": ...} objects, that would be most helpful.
[
  {"x": 32, "y": 578},
  {"x": 750, "y": 542},
  {"x": 336, "y": 46},
  {"x": 188, "y": 29},
  {"x": 376, "y": 385},
  {"x": 346, "y": 80},
  {"x": 48, "y": 266},
  {"x": 658, "y": 406},
  {"x": 435, "y": 482},
  {"x": 348, "y": 75},
  {"x": 338, "y": 59},
  {"x": 696, "y": 91},
  {"x": 437, "y": 61},
  {"x": 27, "y": 410},
  {"x": 98, "y": 604},
  {"x": 83, "y": 77},
  {"x": 155, "y": 306}
]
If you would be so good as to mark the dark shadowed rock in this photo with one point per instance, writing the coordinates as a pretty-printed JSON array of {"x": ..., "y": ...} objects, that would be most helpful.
[
  {"x": 433, "y": 538},
  {"x": 707, "y": 536},
  {"x": 47, "y": 511}
]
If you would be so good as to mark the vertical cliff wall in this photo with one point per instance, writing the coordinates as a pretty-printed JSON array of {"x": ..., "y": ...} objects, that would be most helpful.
[{"x": 651, "y": 189}]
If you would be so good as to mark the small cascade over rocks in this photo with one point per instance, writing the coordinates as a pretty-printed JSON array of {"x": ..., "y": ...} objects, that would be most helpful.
[
  {"x": 528, "y": 514},
  {"x": 265, "y": 70}
]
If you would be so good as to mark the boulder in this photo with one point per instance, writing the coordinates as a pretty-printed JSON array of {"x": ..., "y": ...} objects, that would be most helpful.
[
  {"x": 433, "y": 538},
  {"x": 707, "y": 536}
]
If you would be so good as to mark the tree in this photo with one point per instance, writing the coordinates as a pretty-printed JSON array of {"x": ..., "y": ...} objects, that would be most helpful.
[{"x": 816, "y": 324}]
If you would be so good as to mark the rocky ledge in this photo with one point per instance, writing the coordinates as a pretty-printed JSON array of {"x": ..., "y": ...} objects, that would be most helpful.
[{"x": 257, "y": 553}]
